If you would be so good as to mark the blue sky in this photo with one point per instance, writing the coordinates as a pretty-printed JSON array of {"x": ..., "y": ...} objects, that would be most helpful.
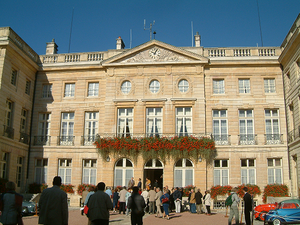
[{"x": 98, "y": 23}]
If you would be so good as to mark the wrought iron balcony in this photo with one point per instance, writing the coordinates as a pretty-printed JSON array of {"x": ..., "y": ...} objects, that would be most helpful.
[
  {"x": 88, "y": 140},
  {"x": 293, "y": 135},
  {"x": 222, "y": 139},
  {"x": 8, "y": 132},
  {"x": 42, "y": 140},
  {"x": 247, "y": 139},
  {"x": 65, "y": 140},
  {"x": 24, "y": 138},
  {"x": 273, "y": 139}
]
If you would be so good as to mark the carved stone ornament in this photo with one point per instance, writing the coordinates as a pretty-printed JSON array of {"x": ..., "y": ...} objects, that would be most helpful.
[{"x": 156, "y": 54}]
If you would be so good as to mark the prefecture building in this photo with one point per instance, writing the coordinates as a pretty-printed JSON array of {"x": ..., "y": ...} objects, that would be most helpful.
[{"x": 53, "y": 106}]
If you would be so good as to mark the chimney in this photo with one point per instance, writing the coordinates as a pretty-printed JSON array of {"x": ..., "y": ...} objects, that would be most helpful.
[
  {"x": 51, "y": 48},
  {"x": 197, "y": 38},
  {"x": 120, "y": 43}
]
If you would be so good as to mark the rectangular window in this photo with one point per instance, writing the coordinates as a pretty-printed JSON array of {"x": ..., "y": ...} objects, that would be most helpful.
[
  {"x": 218, "y": 87},
  {"x": 14, "y": 75},
  {"x": 91, "y": 127},
  {"x": 19, "y": 171},
  {"x": 125, "y": 122},
  {"x": 23, "y": 122},
  {"x": 9, "y": 113},
  {"x": 221, "y": 172},
  {"x": 41, "y": 168},
  {"x": 248, "y": 174},
  {"x": 47, "y": 91},
  {"x": 67, "y": 129},
  {"x": 4, "y": 165},
  {"x": 244, "y": 86},
  {"x": 269, "y": 85},
  {"x": 154, "y": 122},
  {"x": 65, "y": 170},
  {"x": 246, "y": 123},
  {"x": 274, "y": 171},
  {"x": 70, "y": 90},
  {"x": 220, "y": 133},
  {"x": 183, "y": 121},
  {"x": 272, "y": 126},
  {"x": 43, "y": 137},
  {"x": 89, "y": 171},
  {"x": 93, "y": 90},
  {"x": 27, "y": 87}
]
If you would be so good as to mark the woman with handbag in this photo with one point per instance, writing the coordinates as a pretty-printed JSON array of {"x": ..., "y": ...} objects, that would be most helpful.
[
  {"x": 165, "y": 202},
  {"x": 11, "y": 205}
]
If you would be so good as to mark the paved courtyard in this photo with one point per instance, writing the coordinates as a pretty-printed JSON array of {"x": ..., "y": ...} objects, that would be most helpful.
[{"x": 75, "y": 218}]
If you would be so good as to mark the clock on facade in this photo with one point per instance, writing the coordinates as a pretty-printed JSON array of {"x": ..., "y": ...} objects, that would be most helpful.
[{"x": 154, "y": 53}]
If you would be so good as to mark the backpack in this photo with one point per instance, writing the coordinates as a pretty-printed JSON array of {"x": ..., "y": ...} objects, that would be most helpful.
[{"x": 228, "y": 201}]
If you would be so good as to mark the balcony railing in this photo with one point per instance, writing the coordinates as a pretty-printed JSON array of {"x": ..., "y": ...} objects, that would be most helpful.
[
  {"x": 144, "y": 135},
  {"x": 65, "y": 140},
  {"x": 222, "y": 139},
  {"x": 24, "y": 138},
  {"x": 273, "y": 139},
  {"x": 88, "y": 140},
  {"x": 247, "y": 139},
  {"x": 8, "y": 132},
  {"x": 42, "y": 140},
  {"x": 242, "y": 52},
  {"x": 293, "y": 135}
]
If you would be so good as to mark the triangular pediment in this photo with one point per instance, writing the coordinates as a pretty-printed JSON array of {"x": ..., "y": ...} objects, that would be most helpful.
[{"x": 155, "y": 52}]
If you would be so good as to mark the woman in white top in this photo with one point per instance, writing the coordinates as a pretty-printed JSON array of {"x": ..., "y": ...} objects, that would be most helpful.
[{"x": 207, "y": 201}]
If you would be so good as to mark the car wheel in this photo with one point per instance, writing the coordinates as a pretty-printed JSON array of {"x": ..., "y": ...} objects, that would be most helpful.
[
  {"x": 261, "y": 215},
  {"x": 276, "y": 222}
]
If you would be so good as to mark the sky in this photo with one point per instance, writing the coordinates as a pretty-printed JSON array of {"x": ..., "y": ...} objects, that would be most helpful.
[{"x": 97, "y": 24}]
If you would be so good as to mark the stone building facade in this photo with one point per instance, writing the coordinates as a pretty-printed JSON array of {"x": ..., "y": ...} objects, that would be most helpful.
[{"x": 235, "y": 95}]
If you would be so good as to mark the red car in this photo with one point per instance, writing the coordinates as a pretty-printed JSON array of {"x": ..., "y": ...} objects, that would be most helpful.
[{"x": 261, "y": 210}]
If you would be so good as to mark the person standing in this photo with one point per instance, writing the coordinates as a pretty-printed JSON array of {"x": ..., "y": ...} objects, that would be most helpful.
[
  {"x": 122, "y": 200},
  {"x": 128, "y": 194},
  {"x": 151, "y": 196},
  {"x": 131, "y": 183},
  {"x": 11, "y": 203},
  {"x": 158, "y": 202},
  {"x": 53, "y": 205},
  {"x": 148, "y": 184},
  {"x": 99, "y": 205},
  {"x": 247, "y": 205},
  {"x": 140, "y": 184},
  {"x": 165, "y": 202},
  {"x": 198, "y": 197},
  {"x": 137, "y": 204},
  {"x": 109, "y": 192},
  {"x": 177, "y": 200},
  {"x": 192, "y": 201},
  {"x": 91, "y": 192},
  {"x": 234, "y": 211},
  {"x": 207, "y": 200},
  {"x": 115, "y": 199}
]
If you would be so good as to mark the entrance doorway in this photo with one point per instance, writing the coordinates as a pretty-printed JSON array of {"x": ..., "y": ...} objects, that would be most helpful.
[{"x": 153, "y": 170}]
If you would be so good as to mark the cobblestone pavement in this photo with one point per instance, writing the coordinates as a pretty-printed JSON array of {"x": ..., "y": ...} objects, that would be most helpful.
[{"x": 75, "y": 218}]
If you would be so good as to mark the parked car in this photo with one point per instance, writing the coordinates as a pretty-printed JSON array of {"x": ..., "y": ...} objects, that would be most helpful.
[
  {"x": 262, "y": 209},
  {"x": 286, "y": 212},
  {"x": 28, "y": 208}
]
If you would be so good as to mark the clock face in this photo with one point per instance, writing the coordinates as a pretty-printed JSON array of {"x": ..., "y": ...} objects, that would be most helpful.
[{"x": 154, "y": 53}]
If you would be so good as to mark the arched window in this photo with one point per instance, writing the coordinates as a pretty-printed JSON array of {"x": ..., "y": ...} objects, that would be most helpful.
[
  {"x": 123, "y": 172},
  {"x": 183, "y": 173}
]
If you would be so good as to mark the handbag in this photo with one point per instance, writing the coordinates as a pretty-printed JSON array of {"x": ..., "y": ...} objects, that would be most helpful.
[
  {"x": 165, "y": 200},
  {"x": 86, "y": 210}
]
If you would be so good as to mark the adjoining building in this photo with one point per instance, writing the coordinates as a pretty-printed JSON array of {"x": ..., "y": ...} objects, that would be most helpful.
[{"x": 235, "y": 95}]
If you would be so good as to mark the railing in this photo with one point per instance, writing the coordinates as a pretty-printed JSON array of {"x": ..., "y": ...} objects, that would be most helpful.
[
  {"x": 50, "y": 59},
  {"x": 247, "y": 139},
  {"x": 88, "y": 140},
  {"x": 143, "y": 135},
  {"x": 241, "y": 52},
  {"x": 273, "y": 139},
  {"x": 8, "y": 132},
  {"x": 293, "y": 135},
  {"x": 42, "y": 140},
  {"x": 95, "y": 57},
  {"x": 222, "y": 139},
  {"x": 65, "y": 140},
  {"x": 24, "y": 138},
  {"x": 72, "y": 58}
]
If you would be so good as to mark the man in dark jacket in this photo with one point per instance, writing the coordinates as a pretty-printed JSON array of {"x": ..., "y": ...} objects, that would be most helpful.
[
  {"x": 99, "y": 205},
  {"x": 137, "y": 204},
  {"x": 198, "y": 197},
  {"x": 248, "y": 206},
  {"x": 177, "y": 200}
]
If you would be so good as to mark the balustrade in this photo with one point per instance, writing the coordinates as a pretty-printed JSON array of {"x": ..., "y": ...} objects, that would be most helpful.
[
  {"x": 8, "y": 132},
  {"x": 247, "y": 139},
  {"x": 273, "y": 139},
  {"x": 24, "y": 138},
  {"x": 65, "y": 140},
  {"x": 42, "y": 140}
]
